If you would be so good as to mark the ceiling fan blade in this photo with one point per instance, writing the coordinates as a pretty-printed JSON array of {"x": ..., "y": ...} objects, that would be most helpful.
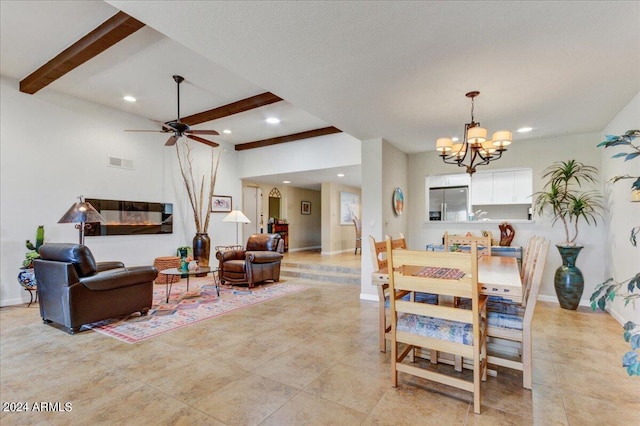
[
  {"x": 204, "y": 141},
  {"x": 202, "y": 132},
  {"x": 154, "y": 131},
  {"x": 165, "y": 127},
  {"x": 172, "y": 141}
]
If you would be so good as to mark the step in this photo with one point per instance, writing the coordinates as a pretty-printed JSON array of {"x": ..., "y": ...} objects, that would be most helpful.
[
  {"x": 321, "y": 267},
  {"x": 320, "y": 275}
]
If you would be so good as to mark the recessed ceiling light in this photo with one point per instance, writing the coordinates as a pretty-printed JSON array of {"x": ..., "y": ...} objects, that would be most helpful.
[
  {"x": 340, "y": 174},
  {"x": 286, "y": 181},
  {"x": 226, "y": 131},
  {"x": 129, "y": 98},
  {"x": 272, "y": 120},
  {"x": 525, "y": 129},
  {"x": 454, "y": 139}
]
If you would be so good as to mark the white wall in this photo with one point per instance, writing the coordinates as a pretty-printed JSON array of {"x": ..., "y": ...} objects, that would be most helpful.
[
  {"x": 534, "y": 153},
  {"x": 622, "y": 260},
  {"x": 336, "y": 150},
  {"x": 387, "y": 171},
  {"x": 55, "y": 147}
]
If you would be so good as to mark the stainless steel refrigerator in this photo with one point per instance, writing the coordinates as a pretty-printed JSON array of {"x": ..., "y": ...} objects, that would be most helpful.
[{"x": 450, "y": 203}]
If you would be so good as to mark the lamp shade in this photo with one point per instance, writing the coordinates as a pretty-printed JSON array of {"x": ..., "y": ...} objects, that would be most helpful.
[
  {"x": 477, "y": 135},
  {"x": 443, "y": 144},
  {"x": 236, "y": 216},
  {"x": 502, "y": 138},
  {"x": 81, "y": 212}
]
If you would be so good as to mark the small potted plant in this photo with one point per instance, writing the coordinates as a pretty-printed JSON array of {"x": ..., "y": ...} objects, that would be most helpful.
[{"x": 564, "y": 200}]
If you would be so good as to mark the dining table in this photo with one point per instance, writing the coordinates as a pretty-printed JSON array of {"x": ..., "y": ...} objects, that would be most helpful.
[{"x": 497, "y": 276}]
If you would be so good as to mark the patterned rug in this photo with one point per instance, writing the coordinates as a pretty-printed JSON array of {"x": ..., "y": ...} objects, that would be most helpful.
[{"x": 185, "y": 308}]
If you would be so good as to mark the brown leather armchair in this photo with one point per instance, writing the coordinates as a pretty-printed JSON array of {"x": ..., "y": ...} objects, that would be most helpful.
[
  {"x": 75, "y": 290},
  {"x": 259, "y": 262}
]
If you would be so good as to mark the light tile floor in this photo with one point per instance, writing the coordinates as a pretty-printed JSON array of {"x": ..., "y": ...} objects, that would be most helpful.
[{"x": 310, "y": 358}]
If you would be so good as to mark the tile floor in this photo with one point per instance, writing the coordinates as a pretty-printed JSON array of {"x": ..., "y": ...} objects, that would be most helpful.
[{"x": 307, "y": 359}]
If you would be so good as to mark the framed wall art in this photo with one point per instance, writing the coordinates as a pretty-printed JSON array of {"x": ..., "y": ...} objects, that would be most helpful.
[
  {"x": 305, "y": 207},
  {"x": 349, "y": 207},
  {"x": 221, "y": 204},
  {"x": 398, "y": 201}
]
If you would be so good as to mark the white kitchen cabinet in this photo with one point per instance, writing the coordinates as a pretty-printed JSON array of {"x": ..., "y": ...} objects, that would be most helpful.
[
  {"x": 502, "y": 187},
  {"x": 523, "y": 187},
  {"x": 482, "y": 188},
  {"x": 438, "y": 181}
]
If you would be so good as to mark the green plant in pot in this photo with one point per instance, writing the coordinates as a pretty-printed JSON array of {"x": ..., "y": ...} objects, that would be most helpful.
[
  {"x": 629, "y": 288},
  {"x": 564, "y": 200}
]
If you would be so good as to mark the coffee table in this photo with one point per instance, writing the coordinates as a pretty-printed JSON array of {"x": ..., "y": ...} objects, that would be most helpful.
[{"x": 201, "y": 270}]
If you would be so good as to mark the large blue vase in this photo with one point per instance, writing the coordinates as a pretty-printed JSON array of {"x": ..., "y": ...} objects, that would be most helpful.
[{"x": 568, "y": 280}]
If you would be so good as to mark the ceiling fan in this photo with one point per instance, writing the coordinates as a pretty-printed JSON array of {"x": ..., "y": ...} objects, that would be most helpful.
[{"x": 178, "y": 128}]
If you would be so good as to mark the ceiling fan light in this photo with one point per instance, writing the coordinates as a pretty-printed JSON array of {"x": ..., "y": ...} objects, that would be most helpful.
[
  {"x": 443, "y": 144},
  {"x": 502, "y": 138},
  {"x": 476, "y": 135}
]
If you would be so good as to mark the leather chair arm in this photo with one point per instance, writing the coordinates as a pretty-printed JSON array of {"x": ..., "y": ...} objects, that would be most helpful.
[
  {"x": 262, "y": 256},
  {"x": 105, "y": 266},
  {"x": 226, "y": 255},
  {"x": 118, "y": 278}
]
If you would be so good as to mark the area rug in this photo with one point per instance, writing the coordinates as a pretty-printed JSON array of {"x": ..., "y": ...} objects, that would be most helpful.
[{"x": 184, "y": 308}]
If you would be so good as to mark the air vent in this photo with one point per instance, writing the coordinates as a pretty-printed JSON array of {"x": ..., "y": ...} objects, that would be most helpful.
[{"x": 121, "y": 163}]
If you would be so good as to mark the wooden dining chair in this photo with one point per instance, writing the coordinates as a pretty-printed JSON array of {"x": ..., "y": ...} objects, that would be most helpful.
[
  {"x": 358, "y": 225},
  {"x": 378, "y": 250},
  {"x": 464, "y": 240},
  {"x": 509, "y": 324},
  {"x": 438, "y": 327}
]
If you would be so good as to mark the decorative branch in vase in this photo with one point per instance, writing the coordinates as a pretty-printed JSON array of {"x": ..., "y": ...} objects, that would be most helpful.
[{"x": 201, "y": 210}]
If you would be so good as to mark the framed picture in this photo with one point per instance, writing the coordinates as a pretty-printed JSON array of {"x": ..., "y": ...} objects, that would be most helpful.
[
  {"x": 398, "y": 201},
  {"x": 305, "y": 207},
  {"x": 221, "y": 203},
  {"x": 349, "y": 207}
]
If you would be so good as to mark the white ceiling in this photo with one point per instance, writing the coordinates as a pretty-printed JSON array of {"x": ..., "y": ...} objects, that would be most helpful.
[{"x": 396, "y": 70}]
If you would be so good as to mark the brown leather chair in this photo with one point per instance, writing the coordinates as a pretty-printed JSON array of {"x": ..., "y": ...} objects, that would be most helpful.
[
  {"x": 75, "y": 290},
  {"x": 258, "y": 262}
]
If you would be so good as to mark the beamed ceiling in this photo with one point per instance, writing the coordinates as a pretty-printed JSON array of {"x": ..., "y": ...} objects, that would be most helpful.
[{"x": 371, "y": 69}]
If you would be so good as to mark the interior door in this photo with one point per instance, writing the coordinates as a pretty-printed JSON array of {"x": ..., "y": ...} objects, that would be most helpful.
[{"x": 251, "y": 204}]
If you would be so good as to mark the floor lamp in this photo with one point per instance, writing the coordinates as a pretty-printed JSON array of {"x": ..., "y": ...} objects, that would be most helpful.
[
  {"x": 238, "y": 217},
  {"x": 83, "y": 214}
]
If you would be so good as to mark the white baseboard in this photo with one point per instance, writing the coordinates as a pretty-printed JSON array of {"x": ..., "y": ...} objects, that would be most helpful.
[
  {"x": 11, "y": 302},
  {"x": 554, "y": 299},
  {"x": 370, "y": 297},
  {"x": 292, "y": 250},
  {"x": 328, "y": 253}
]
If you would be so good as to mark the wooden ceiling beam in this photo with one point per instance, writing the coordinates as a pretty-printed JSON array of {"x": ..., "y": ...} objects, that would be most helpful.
[
  {"x": 242, "y": 105},
  {"x": 110, "y": 32},
  {"x": 288, "y": 138}
]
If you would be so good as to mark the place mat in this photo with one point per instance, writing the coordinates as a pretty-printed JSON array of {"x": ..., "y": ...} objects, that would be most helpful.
[{"x": 440, "y": 273}]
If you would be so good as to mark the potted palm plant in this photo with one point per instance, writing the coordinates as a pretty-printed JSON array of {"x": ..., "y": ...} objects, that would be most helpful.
[{"x": 564, "y": 200}]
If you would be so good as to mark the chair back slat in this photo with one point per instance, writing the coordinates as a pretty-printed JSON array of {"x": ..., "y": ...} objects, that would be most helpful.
[
  {"x": 483, "y": 242},
  {"x": 530, "y": 294}
]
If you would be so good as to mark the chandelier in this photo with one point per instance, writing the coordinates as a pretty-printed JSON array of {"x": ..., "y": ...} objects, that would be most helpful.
[{"x": 475, "y": 149}]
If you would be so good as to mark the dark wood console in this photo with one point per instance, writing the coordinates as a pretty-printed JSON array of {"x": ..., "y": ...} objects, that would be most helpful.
[{"x": 283, "y": 230}]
